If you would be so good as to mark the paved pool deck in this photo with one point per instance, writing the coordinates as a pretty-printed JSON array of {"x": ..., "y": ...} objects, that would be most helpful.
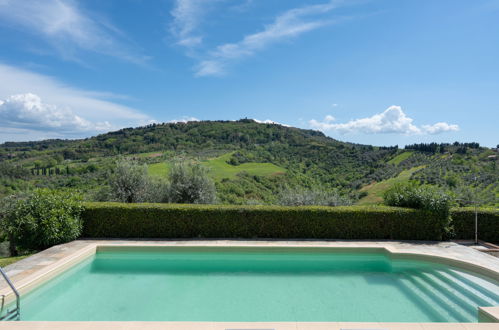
[{"x": 32, "y": 271}]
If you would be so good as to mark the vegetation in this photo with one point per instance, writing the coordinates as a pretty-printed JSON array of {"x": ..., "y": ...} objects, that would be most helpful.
[
  {"x": 248, "y": 162},
  {"x": 400, "y": 157},
  {"x": 224, "y": 167},
  {"x": 185, "y": 182},
  {"x": 10, "y": 260},
  {"x": 113, "y": 220},
  {"x": 443, "y": 147},
  {"x": 463, "y": 220},
  {"x": 189, "y": 183},
  {"x": 317, "y": 196},
  {"x": 158, "y": 169},
  {"x": 422, "y": 197},
  {"x": 251, "y": 166},
  {"x": 129, "y": 182},
  {"x": 375, "y": 191},
  {"x": 41, "y": 219}
]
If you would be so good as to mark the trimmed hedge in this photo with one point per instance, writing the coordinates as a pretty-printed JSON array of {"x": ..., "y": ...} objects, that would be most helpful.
[
  {"x": 116, "y": 220},
  {"x": 488, "y": 223}
]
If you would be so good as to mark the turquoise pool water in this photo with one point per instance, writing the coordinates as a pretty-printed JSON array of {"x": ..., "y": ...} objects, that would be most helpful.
[{"x": 242, "y": 284}]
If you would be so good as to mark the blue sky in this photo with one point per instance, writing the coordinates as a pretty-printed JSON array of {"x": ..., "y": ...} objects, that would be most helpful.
[{"x": 380, "y": 72}]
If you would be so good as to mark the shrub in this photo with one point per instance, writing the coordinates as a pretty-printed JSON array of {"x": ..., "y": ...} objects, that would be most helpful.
[
  {"x": 463, "y": 220},
  {"x": 42, "y": 218},
  {"x": 7, "y": 208},
  {"x": 118, "y": 220},
  {"x": 158, "y": 190},
  {"x": 129, "y": 181},
  {"x": 317, "y": 196},
  {"x": 190, "y": 183},
  {"x": 423, "y": 197}
]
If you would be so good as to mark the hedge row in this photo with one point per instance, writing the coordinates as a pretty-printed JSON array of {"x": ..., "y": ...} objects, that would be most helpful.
[
  {"x": 116, "y": 220},
  {"x": 488, "y": 223}
]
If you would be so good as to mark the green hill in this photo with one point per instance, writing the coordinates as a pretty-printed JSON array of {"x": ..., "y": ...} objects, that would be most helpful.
[{"x": 249, "y": 161}]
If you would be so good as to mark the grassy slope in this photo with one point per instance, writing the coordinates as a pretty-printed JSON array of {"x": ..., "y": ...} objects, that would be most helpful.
[
  {"x": 375, "y": 190},
  {"x": 400, "y": 157},
  {"x": 158, "y": 169},
  {"x": 219, "y": 168}
]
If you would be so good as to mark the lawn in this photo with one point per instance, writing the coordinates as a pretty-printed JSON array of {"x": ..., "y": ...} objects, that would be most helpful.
[
  {"x": 10, "y": 260},
  {"x": 375, "y": 190},
  {"x": 158, "y": 169},
  {"x": 219, "y": 169}
]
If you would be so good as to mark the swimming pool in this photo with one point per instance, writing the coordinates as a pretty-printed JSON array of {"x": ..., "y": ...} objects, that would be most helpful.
[{"x": 258, "y": 284}]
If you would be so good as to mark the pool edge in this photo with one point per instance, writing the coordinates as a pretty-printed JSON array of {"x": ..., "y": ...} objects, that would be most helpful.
[{"x": 31, "y": 281}]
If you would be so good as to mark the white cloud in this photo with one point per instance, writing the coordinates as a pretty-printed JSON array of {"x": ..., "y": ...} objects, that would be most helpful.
[
  {"x": 185, "y": 19},
  {"x": 291, "y": 23},
  {"x": 95, "y": 107},
  {"x": 392, "y": 120},
  {"x": 329, "y": 119},
  {"x": 440, "y": 128},
  {"x": 243, "y": 6},
  {"x": 29, "y": 112},
  {"x": 210, "y": 68},
  {"x": 184, "y": 119},
  {"x": 268, "y": 121},
  {"x": 67, "y": 27},
  {"x": 187, "y": 16}
]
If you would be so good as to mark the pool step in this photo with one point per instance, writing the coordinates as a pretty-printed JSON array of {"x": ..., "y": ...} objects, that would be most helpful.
[
  {"x": 482, "y": 297},
  {"x": 442, "y": 298},
  {"x": 465, "y": 310},
  {"x": 456, "y": 296},
  {"x": 439, "y": 314},
  {"x": 485, "y": 289}
]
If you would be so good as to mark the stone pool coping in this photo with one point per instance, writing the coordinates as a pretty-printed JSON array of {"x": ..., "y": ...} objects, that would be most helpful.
[{"x": 36, "y": 269}]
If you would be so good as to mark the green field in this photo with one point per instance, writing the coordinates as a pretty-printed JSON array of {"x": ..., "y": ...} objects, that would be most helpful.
[
  {"x": 400, "y": 157},
  {"x": 220, "y": 169},
  {"x": 375, "y": 190},
  {"x": 158, "y": 169}
]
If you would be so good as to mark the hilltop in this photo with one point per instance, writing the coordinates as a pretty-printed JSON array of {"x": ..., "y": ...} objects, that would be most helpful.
[{"x": 250, "y": 161}]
